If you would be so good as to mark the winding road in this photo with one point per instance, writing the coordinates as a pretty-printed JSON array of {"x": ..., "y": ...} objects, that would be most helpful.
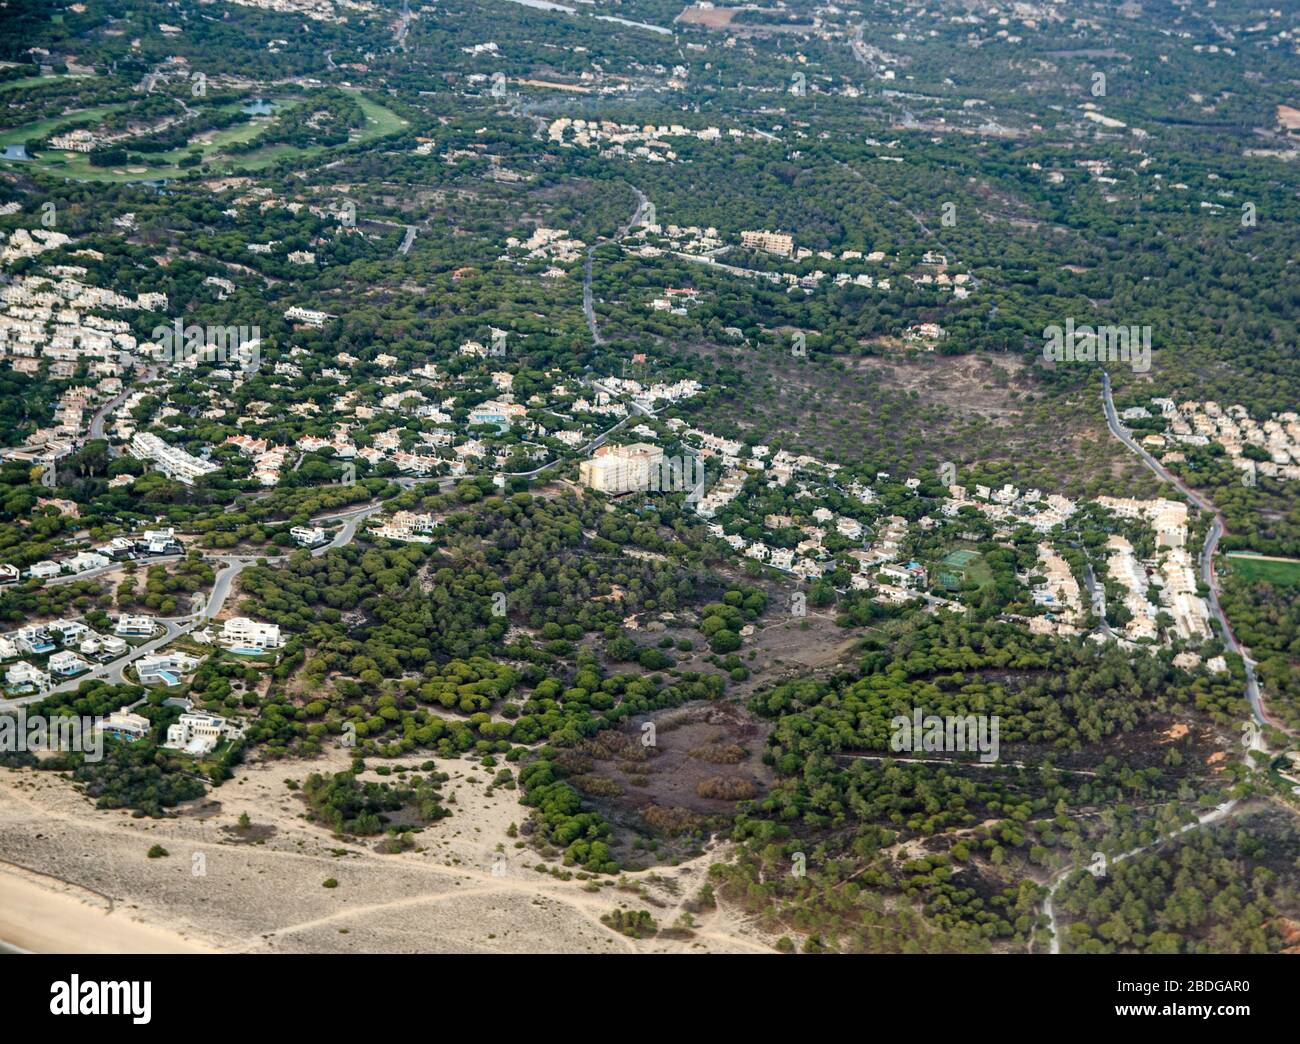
[
  {"x": 588, "y": 308},
  {"x": 173, "y": 627},
  {"x": 1256, "y": 741},
  {"x": 1216, "y": 531},
  {"x": 232, "y": 565}
]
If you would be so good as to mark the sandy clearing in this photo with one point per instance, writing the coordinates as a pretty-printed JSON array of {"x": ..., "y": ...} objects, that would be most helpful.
[
  {"x": 443, "y": 897},
  {"x": 44, "y": 916}
]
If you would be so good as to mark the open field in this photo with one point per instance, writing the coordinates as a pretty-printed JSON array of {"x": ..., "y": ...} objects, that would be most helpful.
[{"x": 1263, "y": 567}]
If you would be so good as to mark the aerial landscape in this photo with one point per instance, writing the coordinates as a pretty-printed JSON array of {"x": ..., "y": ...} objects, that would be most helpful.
[{"x": 636, "y": 477}]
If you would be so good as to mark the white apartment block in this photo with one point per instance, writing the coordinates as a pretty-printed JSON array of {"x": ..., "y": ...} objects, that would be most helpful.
[
  {"x": 621, "y": 469},
  {"x": 173, "y": 462},
  {"x": 307, "y": 316},
  {"x": 770, "y": 242}
]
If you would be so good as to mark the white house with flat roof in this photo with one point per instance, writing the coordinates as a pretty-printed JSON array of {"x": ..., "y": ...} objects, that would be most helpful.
[
  {"x": 124, "y": 725},
  {"x": 135, "y": 627},
  {"x": 86, "y": 560},
  {"x": 22, "y": 675},
  {"x": 200, "y": 733},
  {"x": 239, "y": 632},
  {"x": 102, "y": 645},
  {"x": 65, "y": 663},
  {"x": 158, "y": 541},
  {"x": 166, "y": 667},
  {"x": 309, "y": 536}
]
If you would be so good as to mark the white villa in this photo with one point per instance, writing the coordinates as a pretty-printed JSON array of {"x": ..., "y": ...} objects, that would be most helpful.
[{"x": 239, "y": 632}]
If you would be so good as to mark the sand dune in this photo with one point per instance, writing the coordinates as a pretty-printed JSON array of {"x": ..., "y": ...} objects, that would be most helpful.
[
  {"x": 89, "y": 887},
  {"x": 42, "y": 916}
]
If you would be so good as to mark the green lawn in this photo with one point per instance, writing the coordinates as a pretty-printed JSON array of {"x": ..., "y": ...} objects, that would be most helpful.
[
  {"x": 32, "y": 81},
  {"x": 1256, "y": 569},
  {"x": 379, "y": 122},
  {"x": 43, "y": 128}
]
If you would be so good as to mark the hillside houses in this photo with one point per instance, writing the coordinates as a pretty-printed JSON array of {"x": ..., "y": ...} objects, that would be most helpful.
[{"x": 1201, "y": 423}]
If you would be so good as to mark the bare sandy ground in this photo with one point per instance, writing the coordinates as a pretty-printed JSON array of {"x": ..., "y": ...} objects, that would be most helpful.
[
  {"x": 42, "y": 915},
  {"x": 88, "y": 885}
]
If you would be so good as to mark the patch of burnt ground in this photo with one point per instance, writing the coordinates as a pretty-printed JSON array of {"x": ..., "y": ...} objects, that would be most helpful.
[{"x": 669, "y": 780}]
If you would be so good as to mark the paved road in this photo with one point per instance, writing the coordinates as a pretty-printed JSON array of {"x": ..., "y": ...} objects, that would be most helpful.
[
  {"x": 1059, "y": 878},
  {"x": 403, "y": 29},
  {"x": 101, "y": 414},
  {"x": 352, "y": 522},
  {"x": 230, "y": 566},
  {"x": 1097, "y": 593},
  {"x": 588, "y": 308},
  {"x": 1216, "y": 531},
  {"x": 407, "y": 239}
]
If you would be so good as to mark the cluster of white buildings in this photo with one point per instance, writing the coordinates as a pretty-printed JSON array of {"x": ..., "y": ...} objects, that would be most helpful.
[
  {"x": 1011, "y": 506},
  {"x": 172, "y": 461},
  {"x": 151, "y": 542},
  {"x": 808, "y": 559},
  {"x": 1232, "y": 427},
  {"x": 705, "y": 245},
  {"x": 317, "y": 10},
  {"x": 1172, "y": 573},
  {"x": 545, "y": 244},
  {"x": 67, "y": 645},
  {"x": 408, "y": 526},
  {"x": 649, "y": 142},
  {"x": 52, "y": 320},
  {"x": 268, "y": 460},
  {"x": 1059, "y": 594},
  {"x": 647, "y": 396},
  {"x": 23, "y": 242}
]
